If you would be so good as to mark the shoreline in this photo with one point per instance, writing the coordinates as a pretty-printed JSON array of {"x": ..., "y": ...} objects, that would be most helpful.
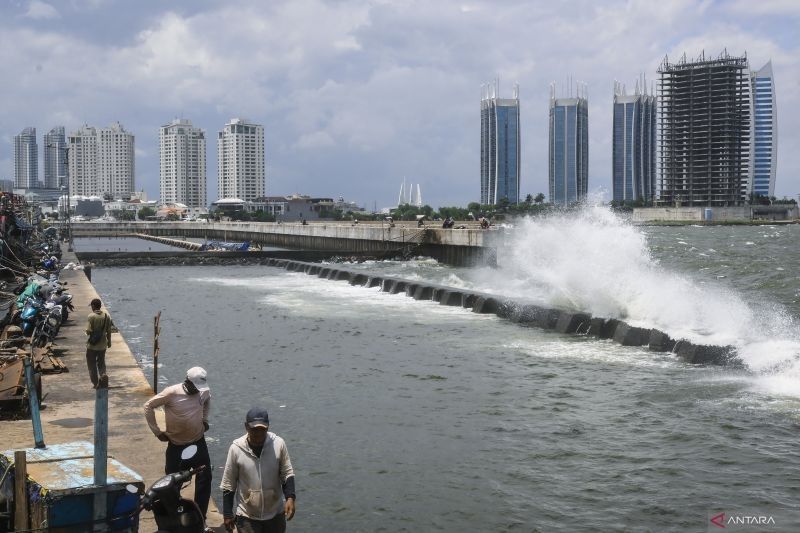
[{"x": 68, "y": 404}]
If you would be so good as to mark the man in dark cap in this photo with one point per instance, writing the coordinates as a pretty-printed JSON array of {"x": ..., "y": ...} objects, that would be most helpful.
[
  {"x": 99, "y": 332},
  {"x": 259, "y": 470}
]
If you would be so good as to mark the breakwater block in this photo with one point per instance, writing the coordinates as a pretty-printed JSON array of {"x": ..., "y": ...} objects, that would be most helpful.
[
  {"x": 324, "y": 272},
  {"x": 436, "y": 294},
  {"x": 628, "y": 335},
  {"x": 595, "y": 327},
  {"x": 410, "y": 288},
  {"x": 534, "y": 315},
  {"x": 449, "y": 297},
  {"x": 358, "y": 279},
  {"x": 341, "y": 275},
  {"x": 571, "y": 322},
  {"x": 608, "y": 327},
  {"x": 291, "y": 266},
  {"x": 313, "y": 270},
  {"x": 398, "y": 286},
  {"x": 485, "y": 305},
  {"x": 281, "y": 263},
  {"x": 386, "y": 285},
  {"x": 468, "y": 299},
  {"x": 660, "y": 341},
  {"x": 423, "y": 292},
  {"x": 700, "y": 354},
  {"x": 374, "y": 282}
]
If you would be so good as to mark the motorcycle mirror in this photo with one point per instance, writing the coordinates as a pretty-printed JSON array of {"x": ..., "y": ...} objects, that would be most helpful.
[
  {"x": 133, "y": 489},
  {"x": 189, "y": 452}
]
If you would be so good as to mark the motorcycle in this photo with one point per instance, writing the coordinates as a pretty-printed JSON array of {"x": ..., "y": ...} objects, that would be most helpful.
[{"x": 173, "y": 514}]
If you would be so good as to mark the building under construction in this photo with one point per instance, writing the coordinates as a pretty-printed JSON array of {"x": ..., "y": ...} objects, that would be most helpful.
[{"x": 705, "y": 131}]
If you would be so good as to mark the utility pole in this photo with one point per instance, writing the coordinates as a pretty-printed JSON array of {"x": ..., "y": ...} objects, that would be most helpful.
[{"x": 66, "y": 226}]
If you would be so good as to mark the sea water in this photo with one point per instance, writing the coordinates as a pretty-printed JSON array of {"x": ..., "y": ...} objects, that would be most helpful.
[{"x": 403, "y": 415}]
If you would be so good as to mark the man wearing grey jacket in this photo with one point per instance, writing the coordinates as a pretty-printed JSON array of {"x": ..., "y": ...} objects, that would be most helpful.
[{"x": 259, "y": 472}]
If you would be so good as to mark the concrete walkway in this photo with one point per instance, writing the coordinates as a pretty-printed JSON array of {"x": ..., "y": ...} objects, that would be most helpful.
[{"x": 69, "y": 400}]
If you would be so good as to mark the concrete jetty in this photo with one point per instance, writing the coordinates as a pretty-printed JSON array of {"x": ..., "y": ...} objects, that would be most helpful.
[
  {"x": 68, "y": 410},
  {"x": 524, "y": 313},
  {"x": 463, "y": 247}
]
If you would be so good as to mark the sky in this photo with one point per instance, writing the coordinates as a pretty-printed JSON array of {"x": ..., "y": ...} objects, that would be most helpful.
[{"x": 356, "y": 96}]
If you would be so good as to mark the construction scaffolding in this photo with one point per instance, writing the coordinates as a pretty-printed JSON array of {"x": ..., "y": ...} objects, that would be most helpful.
[{"x": 705, "y": 131}]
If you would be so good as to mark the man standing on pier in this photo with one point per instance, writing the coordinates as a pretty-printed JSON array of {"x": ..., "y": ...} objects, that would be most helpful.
[
  {"x": 186, "y": 407},
  {"x": 258, "y": 468},
  {"x": 99, "y": 331}
]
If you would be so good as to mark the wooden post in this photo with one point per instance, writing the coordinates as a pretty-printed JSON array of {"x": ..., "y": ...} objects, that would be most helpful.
[
  {"x": 20, "y": 491},
  {"x": 156, "y": 333}
]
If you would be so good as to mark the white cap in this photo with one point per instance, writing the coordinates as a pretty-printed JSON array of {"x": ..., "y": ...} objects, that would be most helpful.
[{"x": 197, "y": 375}]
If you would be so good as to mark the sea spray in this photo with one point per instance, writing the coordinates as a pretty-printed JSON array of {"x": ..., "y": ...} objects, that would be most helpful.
[{"x": 592, "y": 260}]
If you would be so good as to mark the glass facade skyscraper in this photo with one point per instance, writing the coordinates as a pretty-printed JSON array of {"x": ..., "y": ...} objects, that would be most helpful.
[
  {"x": 55, "y": 158},
  {"x": 26, "y": 159},
  {"x": 634, "y": 145},
  {"x": 765, "y": 131},
  {"x": 500, "y": 146},
  {"x": 568, "y": 147}
]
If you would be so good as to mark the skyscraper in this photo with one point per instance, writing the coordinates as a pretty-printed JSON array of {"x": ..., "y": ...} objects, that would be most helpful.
[
  {"x": 569, "y": 147},
  {"x": 183, "y": 164},
  {"x": 55, "y": 158},
  {"x": 102, "y": 162},
  {"x": 705, "y": 124},
  {"x": 634, "y": 144},
  {"x": 500, "y": 145},
  {"x": 240, "y": 162},
  {"x": 26, "y": 159},
  {"x": 765, "y": 131}
]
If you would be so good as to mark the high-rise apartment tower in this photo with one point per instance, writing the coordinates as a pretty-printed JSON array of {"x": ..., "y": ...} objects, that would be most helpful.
[
  {"x": 634, "y": 144},
  {"x": 183, "y": 164},
  {"x": 705, "y": 123},
  {"x": 26, "y": 159},
  {"x": 240, "y": 162},
  {"x": 102, "y": 162},
  {"x": 55, "y": 158},
  {"x": 500, "y": 145},
  {"x": 765, "y": 131},
  {"x": 569, "y": 146}
]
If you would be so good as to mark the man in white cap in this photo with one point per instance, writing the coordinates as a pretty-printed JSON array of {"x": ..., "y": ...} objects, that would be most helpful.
[{"x": 186, "y": 408}]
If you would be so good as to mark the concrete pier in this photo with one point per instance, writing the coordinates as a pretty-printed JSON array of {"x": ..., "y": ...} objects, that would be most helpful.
[
  {"x": 69, "y": 399},
  {"x": 463, "y": 247}
]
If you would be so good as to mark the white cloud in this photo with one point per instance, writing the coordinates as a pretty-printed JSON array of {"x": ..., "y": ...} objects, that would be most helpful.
[
  {"x": 41, "y": 10},
  {"x": 764, "y": 7},
  {"x": 364, "y": 92}
]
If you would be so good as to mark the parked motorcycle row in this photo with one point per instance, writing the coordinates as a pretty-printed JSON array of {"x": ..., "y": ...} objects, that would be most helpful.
[{"x": 34, "y": 302}]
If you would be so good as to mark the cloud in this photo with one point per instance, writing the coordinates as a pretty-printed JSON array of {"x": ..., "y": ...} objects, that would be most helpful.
[
  {"x": 356, "y": 94},
  {"x": 39, "y": 10}
]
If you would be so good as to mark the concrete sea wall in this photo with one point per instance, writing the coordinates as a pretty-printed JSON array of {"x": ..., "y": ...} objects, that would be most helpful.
[{"x": 524, "y": 313}]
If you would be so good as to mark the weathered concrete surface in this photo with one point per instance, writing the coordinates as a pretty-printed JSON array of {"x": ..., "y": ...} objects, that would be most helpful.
[
  {"x": 570, "y": 322},
  {"x": 660, "y": 341},
  {"x": 69, "y": 400}
]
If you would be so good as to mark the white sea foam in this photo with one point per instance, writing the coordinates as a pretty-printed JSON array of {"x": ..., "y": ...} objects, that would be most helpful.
[{"x": 598, "y": 263}]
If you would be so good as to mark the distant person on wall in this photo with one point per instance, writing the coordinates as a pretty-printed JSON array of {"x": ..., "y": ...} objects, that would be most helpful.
[
  {"x": 99, "y": 331},
  {"x": 186, "y": 407},
  {"x": 258, "y": 468}
]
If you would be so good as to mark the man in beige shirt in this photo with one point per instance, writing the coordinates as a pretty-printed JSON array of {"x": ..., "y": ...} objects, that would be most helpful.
[{"x": 186, "y": 407}]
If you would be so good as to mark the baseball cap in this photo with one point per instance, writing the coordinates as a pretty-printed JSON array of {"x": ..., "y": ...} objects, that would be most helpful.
[
  {"x": 257, "y": 417},
  {"x": 197, "y": 375}
]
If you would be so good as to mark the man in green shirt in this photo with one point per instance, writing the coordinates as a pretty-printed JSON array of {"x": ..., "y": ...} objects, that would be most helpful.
[{"x": 99, "y": 339}]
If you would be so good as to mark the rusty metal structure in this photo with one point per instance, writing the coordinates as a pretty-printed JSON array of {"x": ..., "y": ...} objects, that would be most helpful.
[{"x": 705, "y": 128}]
